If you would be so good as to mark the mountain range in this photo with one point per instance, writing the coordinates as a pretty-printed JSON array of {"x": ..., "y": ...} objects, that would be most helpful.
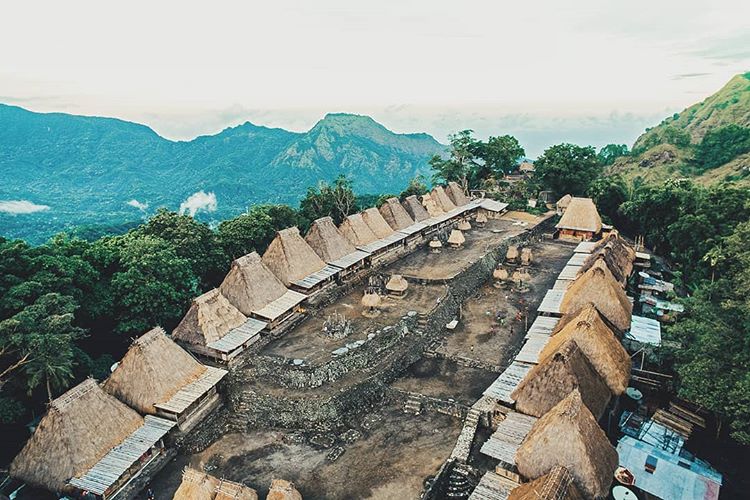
[{"x": 62, "y": 171}]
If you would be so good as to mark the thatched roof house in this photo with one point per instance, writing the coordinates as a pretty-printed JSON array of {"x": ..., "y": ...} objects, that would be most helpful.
[
  {"x": 290, "y": 258},
  {"x": 557, "y": 484},
  {"x": 415, "y": 209},
  {"x": 599, "y": 287},
  {"x": 431, "y": 205},
  {"x": 397, "y": 285},
  {"x": 283, "y": 490},
  {"x": 441, "y": 198},
  {"x": 581, "y": 219},
  {"x": 79, "y": 428},
  {"x": 562, "y": 204},
  {"x": 376, "y": 222},
  {"x": 210, "y": 317},
  {"x": 158, "y": 377},
  {"x": 456, "y": 194},
  {"x": 464, "y": 225},
  {"x": 569, "y": 436},
  {"x": 198, "y": 485},
  {"x": 395, "y": 214},
  {"x": 594, "y": 338},
  {"x": 456, "y": 238},
  {"x": 250, "y": 285},
  {"x": 616, "y": 254},
  {"x": 357, "y": 231},
  {"x": 326, "y": 240}
]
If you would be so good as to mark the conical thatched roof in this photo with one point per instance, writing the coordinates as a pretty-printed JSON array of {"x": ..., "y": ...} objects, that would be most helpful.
[
  {"x": 569, "y": 436},
  {"x": 616, "y": 254},
  {"x": 250, "y": 285},
  {"x": 371, "y": 300},
  {"x": 456, "y": 194},
  {"x": 326, "y": 240},
  {"x": 481, "y": 218},
  {"x": 564, "y": 201},
  {"x": 557, "y": 484},
  {"x": 196, "y": 485},
  {"x": 554, "y": 377},
  {"x": 442, "y": 199},
  {"x": 464, "y": 225},
  {"x": 435, "y": 243},
  {"x": 290, "y": 258},
  {"x": 500, "y": 273},
  {"x": 599, "y": 287},
  {"x": 397, "y": 283},
  {"x": 581, "y": 215},
  {"x": 592, "y": 336},
  {"x": 283, "y": 490},
  {"x": 395, "y": 215},
  {"x": 152, "y": 371},
  {"x": 210, "y": 317},
  {"x": 229, "y": 490},
  {"x": 431, "y": 205},
  {"x": 79, "y": 428},
  {"x": 356, "y": 231},
  {"x": 456, "y": 237},
  {"x": 415, "y": 209},
  {"x": 527, "y": 255},
  {"x": 376, "y": 222},
  {"x": 512, "y": 252}
]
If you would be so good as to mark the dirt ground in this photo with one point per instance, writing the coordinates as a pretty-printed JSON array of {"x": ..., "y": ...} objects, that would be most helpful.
[
  {"x": 391, "y": 459},
  {"x": 442, "y": 378}
]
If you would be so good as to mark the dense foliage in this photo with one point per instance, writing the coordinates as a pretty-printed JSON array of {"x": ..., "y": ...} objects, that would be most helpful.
[
  {"x": 567, "y": 168},
  {"x": 722, "y": 145}
]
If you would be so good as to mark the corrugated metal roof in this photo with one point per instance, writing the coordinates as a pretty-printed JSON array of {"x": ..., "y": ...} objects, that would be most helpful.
[
  {"x": 506, "y": 440},
  {"x": 281, "y": 305},
  {"x": 585, "y": 247},
  {"x": 644, "y": 330},
  {"x": 492, "y": 205},
  {"x": 349, "y": 260},
  {"x": 493, "y": 486},
  {"x": 380, "y": 244},
  {"x": 190, "y": 393},
  {"x": 578, "y": 259},
  {"x": 238, "y": 336},
  {"x": 551, "y": 302},
  {"x": 543, "y": 325},
  {"x": 414, "y": 228},
  {"x": 569, "y": 273},
  {"x": 318, "y": 277},
  {"x": 507, "y": 382}
]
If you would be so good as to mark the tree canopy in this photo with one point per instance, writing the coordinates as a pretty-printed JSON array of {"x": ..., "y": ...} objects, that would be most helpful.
[{"x": 568, "y": 168}]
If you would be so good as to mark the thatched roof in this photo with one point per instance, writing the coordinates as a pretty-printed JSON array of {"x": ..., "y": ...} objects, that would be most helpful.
[
  {"x": 599, "y": 287},
  {"x": 397, "y": 283},
  {"x": 464, "y": 225},
  {"x": 456, "y": 194},
  {"x": 554, "y": 377},
  {"x": 500, "y": 273},
  {"x": 435, "y": 243},
  {"x": 198, "y": 485},
  {"x": 569, "y": 436},
  {"x": 456, "y": 237},
  {"x": 326, "y": 240},
  {"x": 605, "y": 353},
  {"x": 557, "y": 484},
  {"x": 250, "y": 285},
  {"x": 371, "y": 300},
  {"x": 415, "y": 209},
  {"x": 283, "y": 490},
  {"x": 581, "y": 215},
  {"x": 431, "y": 205},
  {"x": 152, "y": 371},
  {"x": 616, "y": 254},
  {"x": 210, "y": 317},
  {"x": 395, "y": 214},
  {"x": 79, "y": 428},
  {"x": 290, "y": 258},
  {"x": 564, "y": 201},
  {"x": 442, "y": 199},
  {"x": 377, "y": 223},
  {"x": 481, "y": 218},
  {"x": 229, "y": 490},
  {"x": 357, "y": 231},
  {"x": 512, "y": 252}
]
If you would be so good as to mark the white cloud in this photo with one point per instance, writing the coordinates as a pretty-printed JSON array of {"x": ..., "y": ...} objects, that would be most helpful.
[
  {"x": 199, "y": 202},
  {"x": 137, "y": 204},
  {"x": 16, "y": 207}
]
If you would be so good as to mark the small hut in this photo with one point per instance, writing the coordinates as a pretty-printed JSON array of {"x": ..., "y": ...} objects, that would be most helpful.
[
  {"x": 431, "y": 205},
  {"x": 435, "y": 245},
  {"x": 511, "y": 255},
  {"x": 562, "y": 204},
  {"x": 481, "y": 220},
  {"x": 456, "y": 194},
  {"x": 599, "y": 287},
  {"x": 520, "y": 276},
  {"x": 395, "y": 215},
  {"x": 297, "y": 265},
  {"x": 549, "y": 382},
  {"x": 370, "y": 305},
  {"x": 357, "y": 231},
  {"x": 415, "y": 209},
  {"x": 76, "y": 438},
  {"x": 569, "y": 436},
  {"x": 158, "y": 377},
  {"x": 557, "y": 484},
  {"x": 526, "y": 256},
  {"x": 283, "y": 490},
  {"x": 580, "y": 221},
  {"x": 441, "y": 198},
  {"x": 464, "y": 225},
  {"x": 499, "y": 275},
  {"x": 397, "y": 286},
  {"x": 594, "y": 338},
  {"x": 198, "y": 485},
  {"x": 456, "y": 239},
  {"x": 377, "y": 223}
]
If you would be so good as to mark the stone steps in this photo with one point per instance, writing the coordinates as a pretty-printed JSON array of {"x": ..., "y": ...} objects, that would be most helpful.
[{"x": 413, "y": 405}]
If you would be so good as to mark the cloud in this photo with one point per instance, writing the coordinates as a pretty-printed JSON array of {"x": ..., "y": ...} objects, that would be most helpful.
[
  {"x": 16, "y": 207},
  {"x": 199, "y": 202},
  {"x": 137, "y": 204},
  {"x": 689, "y": 75},
  {"x": 732, "y": 48}
]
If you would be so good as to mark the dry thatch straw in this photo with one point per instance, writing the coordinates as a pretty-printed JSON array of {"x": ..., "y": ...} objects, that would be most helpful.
[
  {"x": 605, "y": 353},
  {"x": 152, "y": 371},
  {"x": 441, "y": 198},
  {"x": 500, "y": 274},
  {"x": 435, "y": 245},
  {"x": 283, "y": 490},
  {"x": 527, "y": 256},
  {"x": 356, "y": 231},
  {"x": 581, "y": 215},
  {"x": 210, "y": 317},
  {"x": 616, "y": 254},
  {"x": 395, "y": 214},
  {"x": 563, "y": 202},
  {"x": 430, "y": 204},
  {"x": 599, "y": 287},
  {"x": 79, "y": 428},
  {"x": 554, "y": 377},
  {"x": 250, "y": 285},
  {"x": 371, "y": 300},
  {"x": 512, "y": 253},
  {"x": 377, "y": 223},
  {"x": 481, "y": 219},
  {"x": 557, "y": 484},
  {"x": 326, "y": 240},
  {"x": 415, "y": 209},
  {"x": 290, "y": 258},
  {"x": 456, "y": 194},
  {"x": 456, "y": 238},
  {"x": 196, "y": 485},
  {"x": 464, "y": 225},
  {"x": 229, "y": 490},
  {"x": 397, "y": 283},
  {"x": 569, "y": 436}
]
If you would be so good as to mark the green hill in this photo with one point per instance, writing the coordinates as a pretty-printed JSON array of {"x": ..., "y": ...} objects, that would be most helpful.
[
  {"x": 708, "y": 141},
  {"x": 72, "y": 171}
]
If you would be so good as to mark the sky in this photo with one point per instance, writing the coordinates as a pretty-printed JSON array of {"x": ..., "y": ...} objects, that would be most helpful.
[{"x": 585, "y": 71}]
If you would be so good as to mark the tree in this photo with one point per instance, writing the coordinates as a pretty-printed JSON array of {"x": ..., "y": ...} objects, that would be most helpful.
[
  {"x": 609, "y": 193},
  {"x": 501, "y": 154},
  {"x": 335, "y": 200},
  {"x": 609, "y": 153},
  {"x": 417, "y": 187},
  {"x": 722, "y": 145},
  {"x": 567, "y": 168},
  {"x": 254, "y": 230},
  {"x": 461, "y": 162}
]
